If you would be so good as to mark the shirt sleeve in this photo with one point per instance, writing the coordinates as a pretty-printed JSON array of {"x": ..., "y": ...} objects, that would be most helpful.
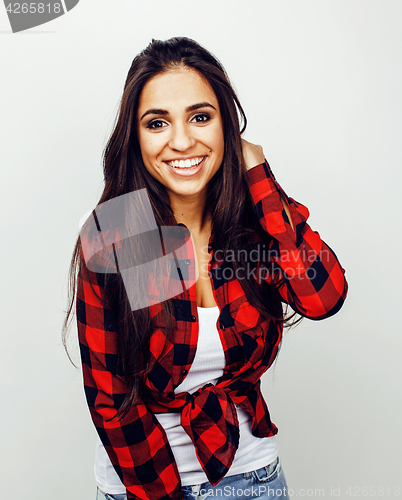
[
  {"x": 136, "y": 444},
  {"x": 314, "y": 283}
]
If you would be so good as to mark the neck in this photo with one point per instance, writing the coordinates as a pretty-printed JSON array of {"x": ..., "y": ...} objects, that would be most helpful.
[{"x": 192, "y": 212}]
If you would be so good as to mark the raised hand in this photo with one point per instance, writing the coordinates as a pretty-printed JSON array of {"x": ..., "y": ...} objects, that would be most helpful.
[{"x": 253, "y": 154}]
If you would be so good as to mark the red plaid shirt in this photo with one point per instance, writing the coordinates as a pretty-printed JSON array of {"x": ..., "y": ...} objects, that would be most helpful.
[{"x": 137, "y": 445}]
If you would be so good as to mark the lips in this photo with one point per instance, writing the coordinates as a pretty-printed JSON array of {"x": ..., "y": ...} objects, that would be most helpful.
[
  {"x": 187, "y": 163},
  {"x": 186, "y": 167}
]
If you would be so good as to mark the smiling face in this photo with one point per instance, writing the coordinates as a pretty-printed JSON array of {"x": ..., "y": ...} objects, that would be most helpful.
[{"x": 180, "y": 132}]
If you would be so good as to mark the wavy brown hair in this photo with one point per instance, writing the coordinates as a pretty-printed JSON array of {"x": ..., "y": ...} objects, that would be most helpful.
[{"x": 233, "y": 218}]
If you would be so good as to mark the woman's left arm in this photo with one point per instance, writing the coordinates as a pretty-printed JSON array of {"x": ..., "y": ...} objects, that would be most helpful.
[{"x": 314, "y": 281}]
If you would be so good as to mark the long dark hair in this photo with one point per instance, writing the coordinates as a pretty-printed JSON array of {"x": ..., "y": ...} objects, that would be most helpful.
[{"x": 233, "y": 219}]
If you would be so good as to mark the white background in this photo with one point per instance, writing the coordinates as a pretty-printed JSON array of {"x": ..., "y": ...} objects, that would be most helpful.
[{"x": 320, "y": 81}]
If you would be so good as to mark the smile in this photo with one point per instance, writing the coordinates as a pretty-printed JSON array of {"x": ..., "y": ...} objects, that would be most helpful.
[{"x": 189, "y": 163}]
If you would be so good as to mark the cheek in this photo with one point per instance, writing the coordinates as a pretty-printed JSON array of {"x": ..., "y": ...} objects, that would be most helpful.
[
  {"x": 216, "y": 140},
  {"x": 148, "y": 150},
  {"x": 219, "y": 143}
]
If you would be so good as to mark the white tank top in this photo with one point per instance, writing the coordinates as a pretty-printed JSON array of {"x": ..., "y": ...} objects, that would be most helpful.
[{"x": 209, "y": 362}]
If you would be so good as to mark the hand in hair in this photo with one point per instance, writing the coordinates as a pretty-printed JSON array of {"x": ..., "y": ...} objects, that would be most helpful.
[{"x": 253, "y": 154}]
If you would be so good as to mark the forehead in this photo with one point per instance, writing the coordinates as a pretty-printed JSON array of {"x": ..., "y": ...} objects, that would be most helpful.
[{"x": 175, "y": 89}]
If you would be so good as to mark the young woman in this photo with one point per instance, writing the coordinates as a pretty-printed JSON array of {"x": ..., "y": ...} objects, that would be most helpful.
[{"x": 172, "y": 374}]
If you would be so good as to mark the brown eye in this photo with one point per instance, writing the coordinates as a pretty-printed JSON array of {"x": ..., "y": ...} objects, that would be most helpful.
[
  {"x": 201, "y": 117},
  {"x": 156, "y": 124}
]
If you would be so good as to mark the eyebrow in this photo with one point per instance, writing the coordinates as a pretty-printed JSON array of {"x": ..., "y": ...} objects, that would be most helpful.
[{"x": 193, "y": 107}]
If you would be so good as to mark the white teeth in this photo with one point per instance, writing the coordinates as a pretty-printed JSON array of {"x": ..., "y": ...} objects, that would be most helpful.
[{"x": 186, "y": 163}]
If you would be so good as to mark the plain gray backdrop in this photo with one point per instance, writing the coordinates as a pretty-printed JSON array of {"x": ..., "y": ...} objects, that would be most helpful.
[{"x": 320, "y": 82}]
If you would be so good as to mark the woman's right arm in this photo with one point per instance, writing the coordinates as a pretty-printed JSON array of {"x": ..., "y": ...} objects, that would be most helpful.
[
  {"x": 314, "y": 282},
  {"x": 136, "y": 444}
]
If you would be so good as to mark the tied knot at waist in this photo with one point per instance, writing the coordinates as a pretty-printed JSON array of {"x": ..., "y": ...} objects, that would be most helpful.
[{"x": 209, "y": 418}]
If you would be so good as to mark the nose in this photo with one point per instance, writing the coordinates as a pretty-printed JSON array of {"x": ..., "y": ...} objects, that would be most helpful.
[{"x": 181, "y": 138}]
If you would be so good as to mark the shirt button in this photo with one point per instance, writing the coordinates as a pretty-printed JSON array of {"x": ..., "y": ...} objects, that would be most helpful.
[
  {"x": 193, "y": 318},
  {"x": 184, "y": 372},
  {"x": 187, "y": 261}
]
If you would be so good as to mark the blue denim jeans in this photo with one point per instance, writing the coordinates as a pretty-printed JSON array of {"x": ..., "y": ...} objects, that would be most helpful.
[
  {"x": 266, "y": 483},
  {"x": 106, "y": 496}
]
